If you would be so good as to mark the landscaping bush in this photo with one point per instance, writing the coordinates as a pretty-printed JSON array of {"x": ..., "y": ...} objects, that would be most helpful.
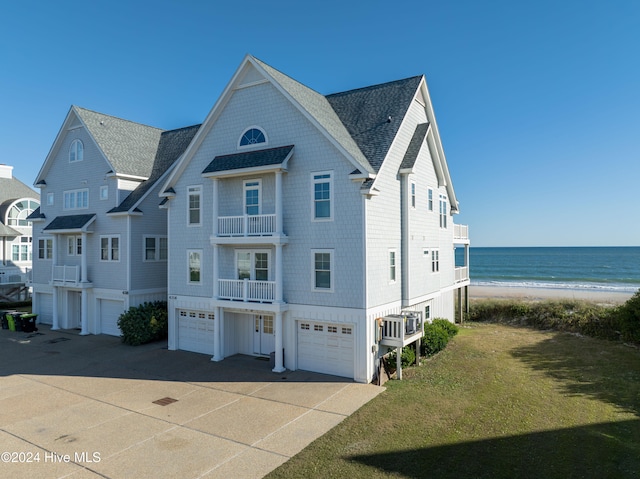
[
  {"x": 408, "y": 357},
  {"x": 627, "y": 317},
  {"x": 447, "y": 325},
  {"x": 436, "y": 336},
  {"x": 145, "y": 323}
]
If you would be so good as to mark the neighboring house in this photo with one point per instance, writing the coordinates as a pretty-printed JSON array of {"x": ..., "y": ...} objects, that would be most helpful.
[
  {"x": 100, "y": 238},
  {"x": 299, "y": 224},
  {"x": 17, "y": 202}
]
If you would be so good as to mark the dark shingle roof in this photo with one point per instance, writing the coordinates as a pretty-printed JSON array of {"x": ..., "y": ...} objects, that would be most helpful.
[
  {"x": 130, "y": 147},
  {"x": 372, "y": 115},
  {"x": 415, "y": 144},
  {"x": 71, "y": 222},
  {"x": 172, "y": 145},
  {"x": 36, "y": 215},
  {"x": 249, "y": 159}
]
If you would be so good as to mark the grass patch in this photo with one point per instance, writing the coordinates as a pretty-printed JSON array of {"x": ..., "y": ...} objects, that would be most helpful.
[{"x": 498, "y": 402}]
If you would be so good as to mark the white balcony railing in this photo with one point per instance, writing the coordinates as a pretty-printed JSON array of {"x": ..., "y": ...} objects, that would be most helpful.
[
  {"x": 66, "y": 274},
  {"x": 247, "y": 290},
  {"x": 247, "y": 225},
  {"x": 462, "y": 274},
  {"x": 401, "y": 329},
  {"x": 461, "y": 232}
]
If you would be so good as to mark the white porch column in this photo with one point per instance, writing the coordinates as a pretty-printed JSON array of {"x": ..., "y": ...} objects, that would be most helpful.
[
  {"x": 214, "y": 205},
  {"x": 279, "y": 219},
  {"x": 279, "y": 356},
  {"x": 279, "y": 273},
  {"x": 83, "y": 261},
  {"x": 215, "y": 273},
  {"x": 54, "y": 263},
  {"x": 84, "y": 329},
  {"x": 217, "y": 333}
]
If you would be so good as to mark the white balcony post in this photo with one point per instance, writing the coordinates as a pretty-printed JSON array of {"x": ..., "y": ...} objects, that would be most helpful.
[
  {"x": 246, "y": 224},
  {"x": 245, "y": 289},
  {"x": 279, "y": 219},
  {"x": 279, "y": 356},
  {"x": 279, "y": 274},
  {"x": 84, "y": 330},
  {"x": 56, "y": 323},
  {"x": 214, "y": 207},
  {"x": 216, "y": 255},
  {"x": 83, "y": 261},
  {"x": 217, "y": 329}
]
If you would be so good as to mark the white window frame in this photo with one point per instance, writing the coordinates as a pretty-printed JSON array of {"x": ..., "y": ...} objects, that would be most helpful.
[
  {"x": 435, "y": 260},
  {"x": 104, "y": 192},
  {"x": 249, "y": 185},
  {"x": 21, "y": 252},
  {"x": 430, "y": 199},
  {"x": 252, "y": 263},
  {"x": 110, "y": 248},
  {"x": 76, "y": 154},
  {"x": 74, "y": 245},
  {"x": 46, "y": 248},
  {"x": 157, "y": 248},
  {"x": 412, "y": 195},
  {"x": 75, "y": 195},
  {"x": 253, "y": 145},
  {"x": 319, "y": 177},
  {"x": 443, "y": 211},
  {"x": 393, "y": 266},
  {"x": 50, "y": 199},
  {"x": 199, "y": 253},
  {"x": 194, "y": 190},
  {"x": 332, "y": 270}
]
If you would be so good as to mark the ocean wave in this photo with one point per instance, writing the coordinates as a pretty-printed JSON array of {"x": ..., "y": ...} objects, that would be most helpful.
[{"x": 608, "y": 287}]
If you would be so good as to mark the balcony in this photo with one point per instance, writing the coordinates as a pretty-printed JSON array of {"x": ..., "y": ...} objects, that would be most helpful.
[
  {"x": 247, "y": 225},
  {"x": 68, "y": 276},
  {"x": 461, "y": 233},
  {"x": 462, "y": 274},
  {"x": 247, "y": 290},
  {"x": 399, "y": 330}
]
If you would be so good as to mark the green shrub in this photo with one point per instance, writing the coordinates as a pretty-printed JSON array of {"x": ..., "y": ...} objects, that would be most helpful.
[
  {"x": 627, "y": 317},
  {"x": 408, "y": 357},
  {"x": 145, "y": 323},
  {"x": 435, "y": 338},
  {"x": 447, "y": 325}
]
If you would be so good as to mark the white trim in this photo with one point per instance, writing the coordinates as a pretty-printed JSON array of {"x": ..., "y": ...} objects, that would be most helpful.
[
  {"x": 75, "y": 195},
  {"x": 244, "y": 194},
  {"x": 252, "y": 263},
  {"x": 104, "y": 192},
  {"x": 393, "y": 280},
  {"x": 72, "y": 147},
  {"x": 315, "y": 181},
  {"x": 110, "y": 239},
  {"x": 45, "y": 240},
  {"x": 332, "y": 270},
  {"x": 194, "y": 190},
  {"x": 156, "y": 249},
  {"x": 199, "y": 253},
  {"x": 252, "y": 145}
]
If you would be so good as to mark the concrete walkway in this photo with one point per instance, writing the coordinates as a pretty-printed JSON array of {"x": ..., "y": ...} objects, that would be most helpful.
[{"x": 89, "y": 406}]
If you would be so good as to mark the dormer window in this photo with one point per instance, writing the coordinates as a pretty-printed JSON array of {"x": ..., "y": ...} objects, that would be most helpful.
[
  {"x": 251, "y": 137},
  {"x": 76, "y": 151}
]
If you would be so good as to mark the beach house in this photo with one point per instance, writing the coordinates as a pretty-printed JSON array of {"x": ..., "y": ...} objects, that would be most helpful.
[
  {"x": 100, "y": 238},
  {"x": 314, "y": 229},
  {"x": 17, "y": 202}
]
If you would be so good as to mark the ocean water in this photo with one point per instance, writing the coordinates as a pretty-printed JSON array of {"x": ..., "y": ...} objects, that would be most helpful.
[{"x": 584, "y": 268}]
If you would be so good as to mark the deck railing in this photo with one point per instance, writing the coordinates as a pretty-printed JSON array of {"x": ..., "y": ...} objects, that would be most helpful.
[
  {"x": 247, "y": 290},
  {"x": 461, "y": 232},
  {"x": 66, "y": 274},
  {"x": 462, "y": 273},
  {"x": 247, "y": 225},
  {"x": 397, "y": 332}
]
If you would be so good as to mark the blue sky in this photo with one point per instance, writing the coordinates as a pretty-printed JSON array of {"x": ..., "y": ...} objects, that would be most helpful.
[{"x": 538, "y": 103}]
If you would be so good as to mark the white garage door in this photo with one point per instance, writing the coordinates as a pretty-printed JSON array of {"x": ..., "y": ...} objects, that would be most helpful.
[
  {"x": 325, "y": 348},
  {"x": 45, "y": 308},
  {"x": 110, "y": 311},
  {"x": 195, "y": 331}
]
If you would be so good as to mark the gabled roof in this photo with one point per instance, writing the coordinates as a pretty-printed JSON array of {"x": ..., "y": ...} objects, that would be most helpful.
[
  {"x": 417, "y": 140},
  {"x": 172, "y": 144},
  {"x": 269, "y": 157},
  {"x": 70, "y": 223},
  {"x": 129, "y": 147},
  {"x": 373, "y": 115},
  {"x": 12, "y": 189}
]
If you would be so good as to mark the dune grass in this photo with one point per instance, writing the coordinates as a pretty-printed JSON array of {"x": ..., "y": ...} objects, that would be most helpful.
[{"x": 500, "y": 402}]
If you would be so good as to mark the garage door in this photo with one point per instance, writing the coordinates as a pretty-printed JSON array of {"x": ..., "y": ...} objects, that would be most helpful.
[
  {"x": 110, "y": 311},
  {"x": 325, "y": 348},
  {"x": 195, "y": 331},
  {"x": 45, "y": 308}
]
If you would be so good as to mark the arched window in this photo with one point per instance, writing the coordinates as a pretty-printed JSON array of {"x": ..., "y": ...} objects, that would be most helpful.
[
  {"x": 18, "y": 212},
  {"x": 76, "y": 151},
  {"x": 252, "y": 136}
]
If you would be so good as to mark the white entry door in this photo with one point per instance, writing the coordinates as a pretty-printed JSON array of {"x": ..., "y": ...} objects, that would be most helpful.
[{"x": 264, "y": 341}]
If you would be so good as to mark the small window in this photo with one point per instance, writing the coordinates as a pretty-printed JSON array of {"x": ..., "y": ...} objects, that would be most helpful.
[
  {"x": 392, "y": 266},
  {"x": 195, "y": 200},
  {"x": 195, "y": 265},
  {"x": 252, "y": 197},
  {"x": 443, "y": 211},
  {"x": 304, "y": 326},
  {"x": 76, "y": 151},
  {"x": 252, "y": 136},
  {"x": 346, "y": 330},
  {"x": 413, "y": 195},
  {"x": 322, "y": 196},
  {"x": 49, "y": 199},
  {"x": 45, "y": 248},
  {"x": 322, "y": 270},
  {"x": 435, "y": 261},
  {"x": 155, "y": 248},
  {"x": 109, "y": 248},
  {"x": 430, "y": 199},
  {"x": 104, "y": 192}
]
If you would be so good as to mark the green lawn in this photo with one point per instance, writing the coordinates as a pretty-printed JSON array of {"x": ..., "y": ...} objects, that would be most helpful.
[{"x": 499, "y": 402}]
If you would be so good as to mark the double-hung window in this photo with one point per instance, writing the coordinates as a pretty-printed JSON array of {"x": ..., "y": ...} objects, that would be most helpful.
[
  {"x": 392, "y": 266},
  {"x": 76, "y": 199},
  {"x": 443, "y": 211},
  {"x": 435, "y": 261},
  {"x": 322, "y": 270},
  {"x": 194, "y": 205},
  {"x": 322, "y": 196},
  {"x": 45, "y": 248},
  {"x": 74, "y": 245},
  {"x": 253, "y": 265},
  {"x": 430, "y": 199},
  {"x": 109, "y": 248},
  {"x": 155, "y": 248},
  {"x": 194, "y": 265},
  {"x": 252, "y": 197}
]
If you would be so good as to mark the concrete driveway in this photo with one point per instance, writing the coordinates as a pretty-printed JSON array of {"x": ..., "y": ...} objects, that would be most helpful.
[{"x": 89, "y": 406}]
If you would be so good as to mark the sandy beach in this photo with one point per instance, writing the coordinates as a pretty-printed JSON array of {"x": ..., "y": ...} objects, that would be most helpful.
[{"x": 537, "y": 294}]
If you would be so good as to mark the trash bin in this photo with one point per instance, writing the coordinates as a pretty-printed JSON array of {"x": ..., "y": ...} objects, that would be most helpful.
[
  {"x": 28, "y": 322},
  {"x": 11, "y": 320},
  {"x": 3, "y": 319}
]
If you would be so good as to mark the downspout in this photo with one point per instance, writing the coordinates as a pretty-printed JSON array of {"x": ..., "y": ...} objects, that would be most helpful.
[
  {"x": 127, "y": 303},
  {"x": 404, "y": 237}
]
